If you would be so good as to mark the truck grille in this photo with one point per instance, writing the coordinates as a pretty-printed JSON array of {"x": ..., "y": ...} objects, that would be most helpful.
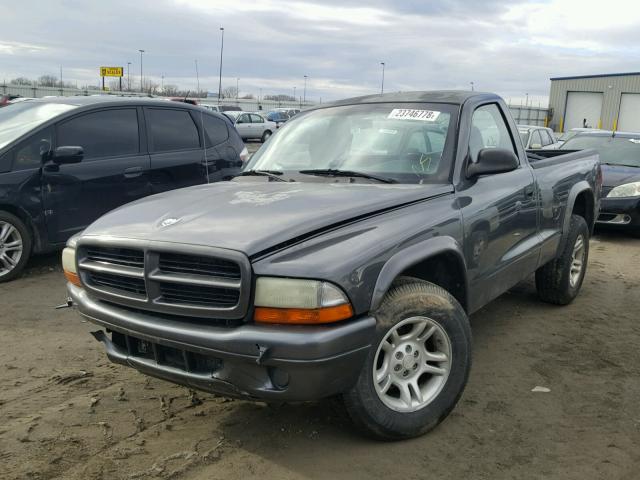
[{"x": 201, "y": 282}]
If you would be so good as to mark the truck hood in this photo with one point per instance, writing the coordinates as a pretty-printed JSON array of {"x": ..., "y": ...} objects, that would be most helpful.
[{"x": 254, "y": 216}]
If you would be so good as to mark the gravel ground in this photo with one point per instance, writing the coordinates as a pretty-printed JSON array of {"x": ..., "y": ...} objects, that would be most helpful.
[{"x": 66, "y": 412}]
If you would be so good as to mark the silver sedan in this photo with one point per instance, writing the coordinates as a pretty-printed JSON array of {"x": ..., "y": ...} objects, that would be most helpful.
[{"x": 252, "y": 125}]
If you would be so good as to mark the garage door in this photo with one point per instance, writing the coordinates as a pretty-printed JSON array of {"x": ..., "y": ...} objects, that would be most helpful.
[
  {"x": 629, "y": 118},
  {"x": 580, "y": 106}
]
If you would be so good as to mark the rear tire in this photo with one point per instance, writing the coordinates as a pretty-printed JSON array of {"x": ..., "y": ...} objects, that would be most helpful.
[
  {"x": 559, "y": 281},
  {"x": 265, "y": 136},
  {"x": 15, "y": 246},
  {"x": 411, "y": 382}
]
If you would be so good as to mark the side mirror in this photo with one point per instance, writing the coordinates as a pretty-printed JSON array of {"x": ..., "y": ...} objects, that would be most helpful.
[
  {"x": 62, "y": 155},
  {"x": 493, "y": 160}
]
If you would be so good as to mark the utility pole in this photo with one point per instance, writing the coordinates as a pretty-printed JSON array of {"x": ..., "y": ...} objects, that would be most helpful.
[
  {"x": 382, "y": 87},
  {"x": 141, "y": 83},
  {"x": 128, "y": 76},
  {"x": 304, "y": 96},
  {"x": 294, "y": 94},
  {"x": 162, "y": 84},
  {"x": 197, "y": 78},
  {"x": 221, "y": 52}
]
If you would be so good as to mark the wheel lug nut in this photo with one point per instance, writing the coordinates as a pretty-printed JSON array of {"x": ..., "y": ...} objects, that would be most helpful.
[
  {"x": 399, "y": 355},
  {"x": 415, "y": 354},
  {"x": 397, "y": 368},
  {"x": 405, "y": 373},
  {"x": 408, "y": 349},
  {"x": 415, "y": 366}
]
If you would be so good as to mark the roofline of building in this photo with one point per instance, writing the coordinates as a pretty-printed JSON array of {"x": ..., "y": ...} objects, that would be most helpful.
[{"x": 601, "y": 75}]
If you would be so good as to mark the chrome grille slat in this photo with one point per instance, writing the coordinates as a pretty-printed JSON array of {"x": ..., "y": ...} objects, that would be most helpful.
[{"x": 167, "y": 278}]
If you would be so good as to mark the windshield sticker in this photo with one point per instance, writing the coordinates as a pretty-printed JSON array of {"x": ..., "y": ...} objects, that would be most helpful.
[
  {"x": 634, "y": 140},
  {"x": 410, "y": 114},
  {"x": 387, "y": 131}
]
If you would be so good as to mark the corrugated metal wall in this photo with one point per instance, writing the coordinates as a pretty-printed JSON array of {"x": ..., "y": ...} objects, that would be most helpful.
[{"x": 611, "y": 86}]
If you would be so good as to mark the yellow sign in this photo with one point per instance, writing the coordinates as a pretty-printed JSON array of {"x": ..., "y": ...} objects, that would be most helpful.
[{"x": 111, "y": 71}]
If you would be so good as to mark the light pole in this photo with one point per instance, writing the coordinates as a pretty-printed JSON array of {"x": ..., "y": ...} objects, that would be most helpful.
[
  {"x": 162, "y": 84},
  {"x": 294, "y": 94},
  {"x": 526, "y": 102},
  {"x": 141, "y": 84},
  {"x": 382, "y": 87},
  {"x": 237, "y": 88},
  {"x": 304, "y": 95},
  {"x": 128, "y": 76},
  {"x": 61, "y": 76},
  {"x": 221, "y": 52},
  {"x": 471, "y": 86},
  {"x": 197, "y": 78}
]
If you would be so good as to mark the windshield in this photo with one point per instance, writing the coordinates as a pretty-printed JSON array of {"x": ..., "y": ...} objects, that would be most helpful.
[
  {"x": 20, "y": 118},
  {"x": 409, "y": 143},
  {"x": 612, "y": 150}
]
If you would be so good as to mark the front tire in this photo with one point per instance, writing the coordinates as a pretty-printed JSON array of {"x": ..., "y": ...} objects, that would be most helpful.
[
  {"x": 559, "y": 281},
  {"x": 15, "y": 246},
  {"x": 265, "y": 136},
  {"x": 418, "y": 365}
]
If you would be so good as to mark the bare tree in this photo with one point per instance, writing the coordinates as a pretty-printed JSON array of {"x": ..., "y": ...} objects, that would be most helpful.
[
  {"x": 280, "y": 98},
  {"x": 248, "y": 96},
  {"x": 21, "y": 81},
  {"x": 48, "y": 81},
  {"x": 229, "y": 92}
]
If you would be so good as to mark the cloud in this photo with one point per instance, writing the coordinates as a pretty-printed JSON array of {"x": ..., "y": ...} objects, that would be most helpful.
[{"x": 512, "y": 48}]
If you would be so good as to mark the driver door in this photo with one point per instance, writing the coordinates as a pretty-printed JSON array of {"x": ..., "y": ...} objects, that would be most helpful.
[{"x": 243, "y": 125}]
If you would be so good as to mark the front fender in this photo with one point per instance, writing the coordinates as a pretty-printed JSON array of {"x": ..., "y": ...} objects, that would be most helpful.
[{"x": 414, "y": 255}]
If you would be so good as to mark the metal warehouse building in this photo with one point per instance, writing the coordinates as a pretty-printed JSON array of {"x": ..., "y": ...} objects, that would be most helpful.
[{"x": 611, "y": 102}]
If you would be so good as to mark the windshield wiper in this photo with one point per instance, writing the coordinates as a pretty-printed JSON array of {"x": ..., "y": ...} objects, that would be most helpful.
[
  {"x": 264, "y": 173},
  {"x": 332, "y": 172}
]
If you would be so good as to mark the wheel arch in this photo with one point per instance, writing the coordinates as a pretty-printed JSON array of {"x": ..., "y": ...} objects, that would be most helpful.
[
  {"x": 438, "y": 260},
  {"x": 580, "y": 201}
]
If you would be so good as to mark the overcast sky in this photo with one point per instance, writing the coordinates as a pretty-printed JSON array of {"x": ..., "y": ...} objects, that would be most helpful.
[{"x": 510, "y": 47}]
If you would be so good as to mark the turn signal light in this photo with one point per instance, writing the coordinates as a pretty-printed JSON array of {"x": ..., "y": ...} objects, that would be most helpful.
[{"x": 303, "y": 316}]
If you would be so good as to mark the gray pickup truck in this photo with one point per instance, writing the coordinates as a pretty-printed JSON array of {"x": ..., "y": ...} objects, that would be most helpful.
[{"x": 345, "y": 260}]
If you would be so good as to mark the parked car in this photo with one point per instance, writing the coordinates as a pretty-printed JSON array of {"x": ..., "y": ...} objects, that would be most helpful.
[
  {"x": 6, "y": 99},
  {"x": 252, "y": 125},
  {"x": 536, "y": 138},
  {"x": 190, "y": 101},
  {"x": 620, "y": 158},
  {"x": 66, "y": 161},
  {"x": 572, "y": 133},
  {"x": 277, "y": 117},
  {"x": 289, "y": 112},
  {"x": 221, "y": 108},
  {"x": 343, "y": 261}
]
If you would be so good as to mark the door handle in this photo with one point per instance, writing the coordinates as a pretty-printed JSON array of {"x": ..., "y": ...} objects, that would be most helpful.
[{"x": 133, "y": 172}]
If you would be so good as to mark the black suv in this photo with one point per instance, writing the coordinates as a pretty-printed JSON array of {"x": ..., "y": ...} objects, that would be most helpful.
[{"x": 64, "y": 162}]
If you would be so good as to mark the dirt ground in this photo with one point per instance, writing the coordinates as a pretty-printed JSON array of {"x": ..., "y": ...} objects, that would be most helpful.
[{"x": 66, "y": 412}]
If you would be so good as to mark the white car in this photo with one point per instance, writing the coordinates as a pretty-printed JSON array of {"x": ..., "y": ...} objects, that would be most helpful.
[
  {"x": 573, "y": 132},
  {"x": 537, "y": 138},
  {"x": 252, "y": 125}
]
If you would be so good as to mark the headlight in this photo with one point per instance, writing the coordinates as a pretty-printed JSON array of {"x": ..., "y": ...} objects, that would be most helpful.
[
  {"x": 626, "y": 190},
  {"x": 69, "y": 266},
  {"x": 299, "y": 301}
]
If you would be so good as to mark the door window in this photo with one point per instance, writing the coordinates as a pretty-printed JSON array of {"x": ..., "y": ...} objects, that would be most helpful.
[
  {"x": 107, "y": 133},
  {"x": 216, "y": 130},
  {"x": 546, "y": 138},
  {"x": 488, "y": 130},
  {"x": 244, "y": 119},
  {"x": 171, "y": 129},
  {"x": 256, "y": 118},
  {"x": 31, "y": 152}
]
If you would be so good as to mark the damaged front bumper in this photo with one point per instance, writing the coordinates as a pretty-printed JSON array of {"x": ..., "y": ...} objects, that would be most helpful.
[{"x": 262, "y": 362}]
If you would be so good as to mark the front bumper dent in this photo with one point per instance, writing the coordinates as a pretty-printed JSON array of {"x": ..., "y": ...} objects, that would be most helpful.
[{"x": 270, "y": 362}]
